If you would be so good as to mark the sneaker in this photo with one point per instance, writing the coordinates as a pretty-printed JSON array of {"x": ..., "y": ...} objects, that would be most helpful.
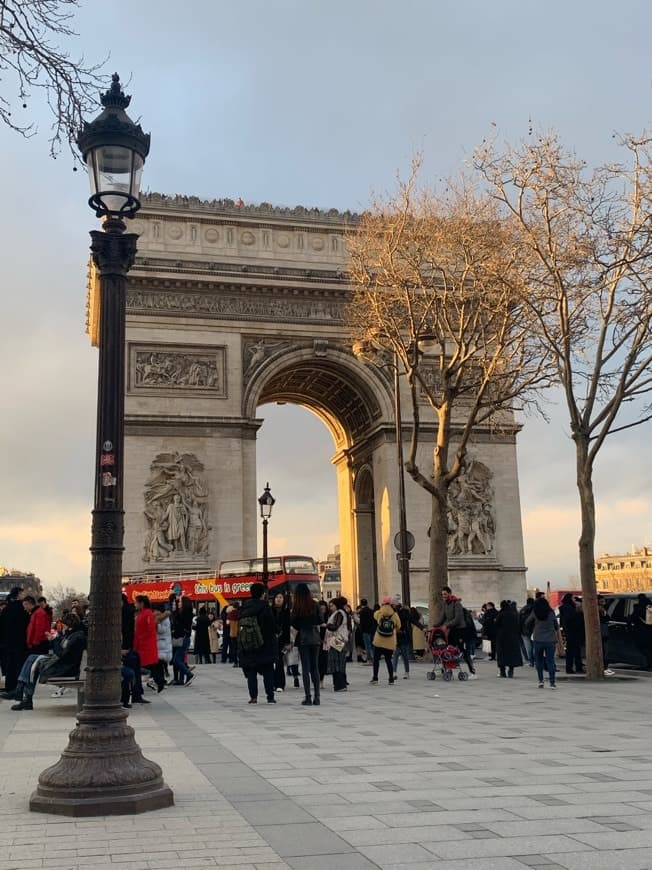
[
  {"x": 252, "y": 701},
  {"x": 552, "y": 686},
  {"x": 392, "y": 681},
  {"x": 23, "y": 705},
  {"x": 608, "y": 672},
  {"x": 306, "y": 702},
  {"x": 473, "y": 676},
  {"x": 541, "y": 685},
  {"x": 374, "y": 680},
  {"x": 271, "y": 700},
  {"x": 280, "y": 689},
  {"x": 189, "y": 679},
  {"x": 406, "y": 677},
  {"x": 151, "y": 684},
  {"x": 58, "y": 693}
]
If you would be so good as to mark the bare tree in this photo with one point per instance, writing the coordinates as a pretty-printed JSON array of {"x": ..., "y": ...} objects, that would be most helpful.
[
  {"x": 60, "y": 597},
  {"x": 434, "y": 284},
  {"x": 587, "y": 261},
  {"x": 31, "y": 58}
]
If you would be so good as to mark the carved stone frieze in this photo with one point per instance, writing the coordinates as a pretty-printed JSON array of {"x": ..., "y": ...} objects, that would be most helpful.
[
  {"x": 237, "y": 307},
  {"x": 471, "y": 517},
  {"x": 257, "y": 349},
  {"x": 176, "y": 508},
  {"x": 195, "y": 370}
]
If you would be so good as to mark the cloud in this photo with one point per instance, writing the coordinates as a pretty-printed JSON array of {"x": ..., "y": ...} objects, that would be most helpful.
[{"x": 54, "y": 547}]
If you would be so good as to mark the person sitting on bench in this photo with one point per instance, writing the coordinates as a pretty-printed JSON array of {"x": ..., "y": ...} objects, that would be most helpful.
[{"x": 65, "y": 661}]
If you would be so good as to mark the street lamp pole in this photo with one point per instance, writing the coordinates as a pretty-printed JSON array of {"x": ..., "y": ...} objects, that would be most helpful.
[
  {"x": 266, "y": 502},
  {"x": 102, "y": 771},
  {"x": 404, "y": 548}
]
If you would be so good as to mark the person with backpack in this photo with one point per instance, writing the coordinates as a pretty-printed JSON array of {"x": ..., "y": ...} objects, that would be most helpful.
[
  {"x": 338, "y": 632},
  {"x": 387, "y": 626},
  {"x": 403, "y": 637},
  {"x": 257, "y": 643}
]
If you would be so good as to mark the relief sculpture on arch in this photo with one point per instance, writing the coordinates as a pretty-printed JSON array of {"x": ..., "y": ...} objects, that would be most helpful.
[{"x": 176, "y": 508}]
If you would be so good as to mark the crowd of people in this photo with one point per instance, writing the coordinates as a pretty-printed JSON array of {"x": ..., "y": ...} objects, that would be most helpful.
[{"x": 269, "y": 636}]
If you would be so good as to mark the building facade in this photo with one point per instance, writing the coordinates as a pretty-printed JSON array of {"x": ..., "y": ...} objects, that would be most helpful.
[{"x": 231, "y": 306}]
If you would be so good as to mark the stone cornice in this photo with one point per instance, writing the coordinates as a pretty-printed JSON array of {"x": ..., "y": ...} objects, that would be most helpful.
[
  {"x": 165, "y": 265},
  {"x": 231, "y": 209}
]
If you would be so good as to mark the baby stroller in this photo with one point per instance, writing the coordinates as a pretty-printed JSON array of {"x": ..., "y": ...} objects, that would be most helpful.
[{"x": 446, "y": 658}]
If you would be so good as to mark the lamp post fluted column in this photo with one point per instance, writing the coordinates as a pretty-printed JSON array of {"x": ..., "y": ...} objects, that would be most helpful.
[
  {"x": 102, "y": 771},
  {"x": 404, "y": 548}
]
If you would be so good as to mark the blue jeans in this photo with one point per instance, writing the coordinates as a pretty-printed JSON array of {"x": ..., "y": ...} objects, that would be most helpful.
[
  {"x": 541, "y": 649},
  {"x": 527, "y": 648},
  {"x": 368, "y": 647},
  {"x": 179, "y": 660},
  {"x": 25, "y": 687},
  {"x": 402, "y": 650}
]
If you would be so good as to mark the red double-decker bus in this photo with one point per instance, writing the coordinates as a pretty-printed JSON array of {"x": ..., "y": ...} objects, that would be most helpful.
[
  {"x": 284, "y": 573},
  {"x": 231, "y": 581}
]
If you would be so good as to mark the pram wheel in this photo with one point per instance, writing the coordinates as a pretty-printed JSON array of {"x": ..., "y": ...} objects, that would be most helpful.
[
  {"x": 448, "y": 676},
  {"x": 431, "y": 675},
  {"x": 462, "y": 676}
]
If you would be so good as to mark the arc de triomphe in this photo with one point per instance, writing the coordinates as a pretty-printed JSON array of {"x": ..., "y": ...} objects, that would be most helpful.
[{"x": 229, "y": 307}]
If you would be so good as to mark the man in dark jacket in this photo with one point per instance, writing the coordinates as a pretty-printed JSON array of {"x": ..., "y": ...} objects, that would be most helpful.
[
  {"x": 14, "y": 620},
  {"x": 455, "y": 621},
  {"x": 572, "y": 623},
  {"x": 257, "y": 643},
  {"x": 367, "y": 629},
  {"x": 489, "y": 614}
]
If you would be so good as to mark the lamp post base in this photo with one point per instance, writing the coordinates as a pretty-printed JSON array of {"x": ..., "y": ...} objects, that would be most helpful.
[{"x": 102, "y": 772}]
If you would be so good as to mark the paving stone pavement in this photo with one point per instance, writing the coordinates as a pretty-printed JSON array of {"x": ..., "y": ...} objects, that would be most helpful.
[{"x": 490, "y": 774}]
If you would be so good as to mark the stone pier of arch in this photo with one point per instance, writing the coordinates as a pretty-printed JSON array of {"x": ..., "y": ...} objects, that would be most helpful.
[{"x": 229, "y": 307}]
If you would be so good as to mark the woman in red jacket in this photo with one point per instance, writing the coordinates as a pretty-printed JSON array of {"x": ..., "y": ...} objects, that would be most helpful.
[{"x": 145, "y": 641}]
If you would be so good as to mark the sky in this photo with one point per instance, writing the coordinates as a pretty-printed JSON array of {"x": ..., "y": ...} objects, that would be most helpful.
[{"x": 318, "y": 103}]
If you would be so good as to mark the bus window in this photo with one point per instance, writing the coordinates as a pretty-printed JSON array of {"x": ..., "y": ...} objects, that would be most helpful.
[{"x": 300, "y": 565}]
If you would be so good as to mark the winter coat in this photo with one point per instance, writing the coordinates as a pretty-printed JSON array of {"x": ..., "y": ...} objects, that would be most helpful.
[
  {"x": 453, "y": 614},
  {"x": 489, "y": 623},
  {"x": 379, "y": 640},
  {"x": 572, "y": 622},
  {"x": 268, "y": 653},
  {"x": 39, "y": 624},
  {"x": 14, "y": 620},
  {"x": 164, "y": 639},
  {"x": 145, "y": 640},
  {"x": 66, "y": 657},
  {"x": 307, "y": 628},
  {"x": 367, "y": 623},
  {"x": 282, "y": 623},
  {"x": 128, "y": 622},
  {"x": 508, "y": 640},
  {"x": 543, "y": 630},
  {"x": 214, "y": 636},
  {"x": 202, "y": 641}
]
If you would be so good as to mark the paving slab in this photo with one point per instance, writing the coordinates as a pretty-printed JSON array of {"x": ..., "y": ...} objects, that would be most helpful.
[{"x": 377, "y": 778}]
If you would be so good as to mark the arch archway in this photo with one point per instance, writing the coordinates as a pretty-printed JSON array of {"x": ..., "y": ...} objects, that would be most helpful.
[{"x": 353, "y": 404}]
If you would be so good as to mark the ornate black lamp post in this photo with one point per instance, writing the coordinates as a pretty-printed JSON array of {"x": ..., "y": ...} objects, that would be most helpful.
[
  {"x": 102, "y": 770},
  {"x": 266, "y": 502}
]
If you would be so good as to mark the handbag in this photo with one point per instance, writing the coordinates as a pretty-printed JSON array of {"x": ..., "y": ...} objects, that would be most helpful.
[
  {"x": 337, "y": 643},
  {"x": 486, "y": 646},
  {"x": 177, "y": 642}
]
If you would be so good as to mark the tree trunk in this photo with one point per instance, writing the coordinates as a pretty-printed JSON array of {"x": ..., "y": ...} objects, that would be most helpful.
[
  {"x": 438, "y": 564},
  {"x": 593, "y": 662}
]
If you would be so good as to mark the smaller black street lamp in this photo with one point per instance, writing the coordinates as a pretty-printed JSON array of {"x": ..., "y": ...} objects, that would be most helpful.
[
  {"x": 102, "y": 771},
  {"x": 266, "y": 502}
]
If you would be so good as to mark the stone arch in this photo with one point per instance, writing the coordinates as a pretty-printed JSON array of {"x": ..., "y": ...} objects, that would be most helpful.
[{"x": 345, "y": 395}]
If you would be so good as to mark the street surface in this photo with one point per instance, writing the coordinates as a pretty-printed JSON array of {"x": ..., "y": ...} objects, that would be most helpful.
[{"x": 490, "y": 775}]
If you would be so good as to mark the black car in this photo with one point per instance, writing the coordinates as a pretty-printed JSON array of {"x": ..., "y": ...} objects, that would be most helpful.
[{"x": 621, "y": 647}]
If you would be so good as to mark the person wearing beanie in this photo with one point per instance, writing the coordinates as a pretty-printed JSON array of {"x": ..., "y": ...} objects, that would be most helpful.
[{"x": 387, "y": 627}]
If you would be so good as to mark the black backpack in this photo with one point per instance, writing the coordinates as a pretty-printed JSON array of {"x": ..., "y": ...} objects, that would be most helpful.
[
  {"x": 469, "y": 624},
  {"x": 250, "y": 637},
  {"x": 386, "y": 625}
]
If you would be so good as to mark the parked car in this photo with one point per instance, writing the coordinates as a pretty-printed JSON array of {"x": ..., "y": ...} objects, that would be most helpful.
[{"x": 621, "y": 647}]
